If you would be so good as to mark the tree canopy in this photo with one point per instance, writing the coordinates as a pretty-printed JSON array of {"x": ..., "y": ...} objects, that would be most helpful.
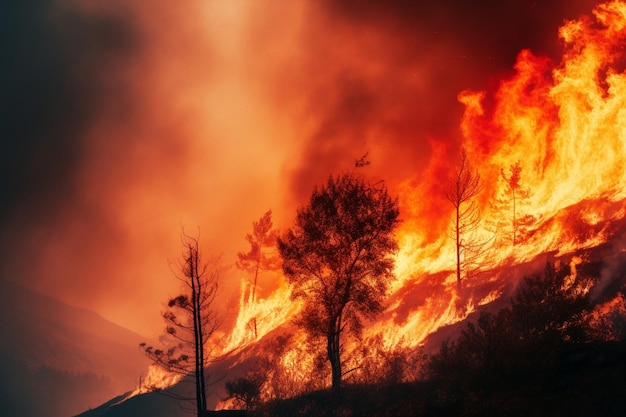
[{"x": 338, "y": 258}]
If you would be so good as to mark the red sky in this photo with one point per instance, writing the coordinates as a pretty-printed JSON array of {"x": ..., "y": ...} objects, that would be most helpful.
[{"x": 125, "y": 123}]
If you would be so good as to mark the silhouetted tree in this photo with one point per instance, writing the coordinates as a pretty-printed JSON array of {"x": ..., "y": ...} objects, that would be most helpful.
[
  {"x": 245, "y": 391},
  {"x": 375, "y": 363},
  {"x": 262, "y": 242},
  {"x": 549, "y": 308},
  {"x": 610, "y": 325},
  {"x": 512, "y": 182},
  {"x": 517, "y": 193},
  {"x": 466, "y": 185},
  {"x": 337, "y": 257},
  {"x": 546, "y": 311},
  {"x": 190, "y": 323}
]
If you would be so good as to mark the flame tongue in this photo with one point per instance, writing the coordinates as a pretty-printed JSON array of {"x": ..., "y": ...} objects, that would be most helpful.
[{"x": 565, "y": 125}]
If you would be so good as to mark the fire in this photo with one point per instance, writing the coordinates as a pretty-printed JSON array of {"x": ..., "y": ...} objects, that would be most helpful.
[
  {"x": 609, "y": 318},
  {"x": 157, "y": 379},
  {"x": 267, "y": 313},
  {"x": 564, "y": 125},
  {"x": 492, "y": 296},
  {"x": 437, "y": 311}
]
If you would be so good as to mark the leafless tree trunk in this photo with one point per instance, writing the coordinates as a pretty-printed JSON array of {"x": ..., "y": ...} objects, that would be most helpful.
[
  {"x": 190, "y": 323},
  {"x": 467, "y": 184},
  {"x": 512, "y": 182}
]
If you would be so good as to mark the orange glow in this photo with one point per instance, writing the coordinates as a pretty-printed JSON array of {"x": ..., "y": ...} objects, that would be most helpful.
[
  {"x": 269, "y": 313},
  {"x": 564, "y": 124},
  {"x": 158, "y": 379},
  {"x": 231, "y": 114}
]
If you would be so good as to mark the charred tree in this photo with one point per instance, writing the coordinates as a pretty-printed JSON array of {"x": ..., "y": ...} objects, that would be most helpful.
[
  {"x": 467, "y": 184},
  {"x": 338, "y": 259},
  {"x": 510, "y": 225},
  {"x": 190, "y": 323}
]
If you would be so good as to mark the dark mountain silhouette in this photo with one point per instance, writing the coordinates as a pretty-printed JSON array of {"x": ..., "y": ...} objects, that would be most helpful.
[{"x": 59, "y": 360}]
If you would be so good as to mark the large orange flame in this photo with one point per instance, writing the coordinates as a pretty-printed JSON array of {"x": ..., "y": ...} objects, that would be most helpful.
[
  {"x": 564, "y": 125},
  {"x": 267, "y": 313}
]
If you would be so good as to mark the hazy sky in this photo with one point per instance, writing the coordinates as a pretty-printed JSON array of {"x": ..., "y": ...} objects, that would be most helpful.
[{"x": 125, "y": 121}]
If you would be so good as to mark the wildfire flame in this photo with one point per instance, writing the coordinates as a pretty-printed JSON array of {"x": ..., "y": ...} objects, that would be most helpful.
[
  {"x": 267, "y": 314},
  {"x": 156, "y": 379},
  {"x": 564, "y": 124}
]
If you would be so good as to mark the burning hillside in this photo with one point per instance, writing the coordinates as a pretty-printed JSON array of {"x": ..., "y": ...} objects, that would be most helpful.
[
  {"x": 548, "y": 148},
  {"x": 562, "y": 124}
]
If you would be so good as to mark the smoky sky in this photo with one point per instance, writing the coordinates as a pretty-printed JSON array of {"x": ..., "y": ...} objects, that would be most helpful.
[
  {"x": 123, "y": 122},
  {"x": 52, "y": 78},
  {"x": 55, "y": 62},
  {"x": 448, "y": 46}
]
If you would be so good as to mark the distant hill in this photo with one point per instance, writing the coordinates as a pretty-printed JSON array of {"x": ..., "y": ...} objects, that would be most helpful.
[{"x": 59, "y": 360}]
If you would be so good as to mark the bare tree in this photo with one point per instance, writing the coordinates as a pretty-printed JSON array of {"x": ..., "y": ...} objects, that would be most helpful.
[
  {"x": 520, "y": 224},
  {"x": 466, "y": 185},
  {"x": 262, "y": 242},
  {"x": 513, "y": 186},
  {"x": 190, "y": 323},
  {"x": 337, "y": 257}
]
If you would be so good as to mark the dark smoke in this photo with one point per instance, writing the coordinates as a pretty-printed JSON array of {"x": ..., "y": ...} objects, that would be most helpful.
[
  {"x": 432, "y": 51},
  {"x": 54, "y": 74}
]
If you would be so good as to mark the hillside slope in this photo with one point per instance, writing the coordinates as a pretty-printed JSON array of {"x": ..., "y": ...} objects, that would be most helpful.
[{"x": 59, "y": 360}]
